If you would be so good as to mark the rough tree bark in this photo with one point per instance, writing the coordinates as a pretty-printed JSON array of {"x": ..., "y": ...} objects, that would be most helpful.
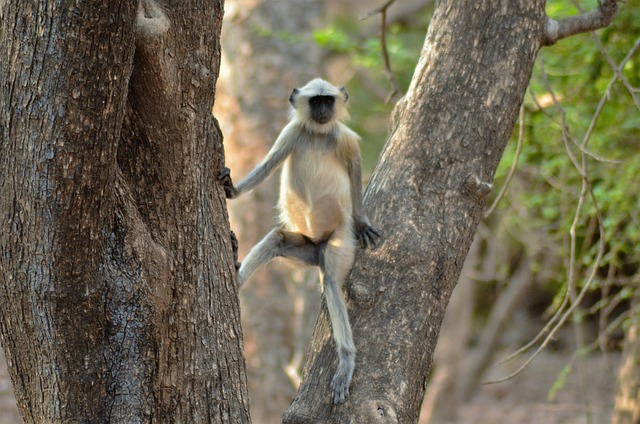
[
  {"x": 117, "y": 292},
  {"x": 627, "y": 399},
  {"x": 264, "y": 65},
  {"x": 427, "y": 195}
]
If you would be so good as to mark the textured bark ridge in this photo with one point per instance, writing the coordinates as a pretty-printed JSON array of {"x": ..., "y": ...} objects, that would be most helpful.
[
  {"x": 117, "y": 295},
  {"x": 448, "y": 136}
]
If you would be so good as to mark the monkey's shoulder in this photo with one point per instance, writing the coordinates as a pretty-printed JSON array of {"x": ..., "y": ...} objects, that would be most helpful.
[
  {"x": 347, "y": 133},
  {"x": 348, "y": 144},
  {"x": 348, "y": 136}
]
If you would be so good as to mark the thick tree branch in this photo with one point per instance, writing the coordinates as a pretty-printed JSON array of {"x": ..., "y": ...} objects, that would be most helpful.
[{"x": 591, "y": 21}]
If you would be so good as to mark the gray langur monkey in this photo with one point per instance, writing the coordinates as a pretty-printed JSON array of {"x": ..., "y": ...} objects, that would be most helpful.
[{"x": 320, "y": 205}]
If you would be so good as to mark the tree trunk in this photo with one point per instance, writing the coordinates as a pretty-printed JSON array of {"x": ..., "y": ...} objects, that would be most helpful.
[
  {"x": 426, "y": 196},
  {"x": 627, "y": 405},
  {"x": 117, "y": 296},
  {"x": 260, "y": 68}
]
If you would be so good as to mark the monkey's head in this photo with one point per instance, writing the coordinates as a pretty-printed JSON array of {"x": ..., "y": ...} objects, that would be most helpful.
[{"x": 319, "y": 105}]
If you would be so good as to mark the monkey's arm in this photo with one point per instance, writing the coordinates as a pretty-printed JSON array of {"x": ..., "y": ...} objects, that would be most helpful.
[
  {"x": 278, "y": 153},
  {"x": 364, "y": 232}
]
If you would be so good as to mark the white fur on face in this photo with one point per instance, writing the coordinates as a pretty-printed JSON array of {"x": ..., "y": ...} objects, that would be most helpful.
[{"x": 302, "y": 112}]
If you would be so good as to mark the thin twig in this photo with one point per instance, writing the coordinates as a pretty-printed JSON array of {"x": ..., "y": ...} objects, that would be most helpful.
[
  {"x": 607, "y": 92},
  {"x": 617, "y": 70},
  {"x": 580, "y": 296},
  {"x": 382, "y": 10},
  {"x": 551, "y": 324},
  {"x": 503, "y": 190},
  {"x": 556, "y": 316},
  {"x": 586, "y": 189}
]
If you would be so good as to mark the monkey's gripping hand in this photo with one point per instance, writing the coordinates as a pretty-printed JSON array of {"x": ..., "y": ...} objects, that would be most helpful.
[
  {"x": 225, "y": 178},
  {"x": 365, "y": 233}
]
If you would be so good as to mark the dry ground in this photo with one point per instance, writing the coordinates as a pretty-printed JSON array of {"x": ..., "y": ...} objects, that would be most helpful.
[{"x": 524, "y": 400}]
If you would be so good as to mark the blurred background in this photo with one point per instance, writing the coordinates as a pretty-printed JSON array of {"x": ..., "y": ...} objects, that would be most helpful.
[{"x": 554, "y": 268}]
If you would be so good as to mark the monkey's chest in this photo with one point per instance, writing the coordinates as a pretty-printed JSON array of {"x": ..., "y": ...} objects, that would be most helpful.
[{"x": 315, "y": 194}]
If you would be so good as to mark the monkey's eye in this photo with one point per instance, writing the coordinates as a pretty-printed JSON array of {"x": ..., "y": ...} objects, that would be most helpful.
[{"x": 316, "y": 101}]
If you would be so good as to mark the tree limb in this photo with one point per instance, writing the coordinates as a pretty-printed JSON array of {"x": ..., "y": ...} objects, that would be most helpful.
[{"x": 591, "y": 21}]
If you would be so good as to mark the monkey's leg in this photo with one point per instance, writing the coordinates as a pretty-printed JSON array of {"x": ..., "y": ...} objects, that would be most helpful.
[
  {"x": 336, "y": 259},
  {"x": 281, "y": 243}
]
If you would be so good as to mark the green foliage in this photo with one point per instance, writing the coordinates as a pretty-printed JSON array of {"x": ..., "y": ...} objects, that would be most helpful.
[
  {"x": 403, "y": 46},
  {"x": 286, "y": 36},
  {"x": 579, "y": 75},
  {"x": 335, "y": 39},
  {"x": 560, "y": 382}
]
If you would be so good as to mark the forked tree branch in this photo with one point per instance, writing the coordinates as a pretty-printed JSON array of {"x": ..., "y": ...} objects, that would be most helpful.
[{"x": 591, "y": 21}]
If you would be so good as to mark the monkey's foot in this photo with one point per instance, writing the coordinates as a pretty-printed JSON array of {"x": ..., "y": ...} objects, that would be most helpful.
[
  {"x": 342, "y": 378},
  {"x": 366, "y": 234}
]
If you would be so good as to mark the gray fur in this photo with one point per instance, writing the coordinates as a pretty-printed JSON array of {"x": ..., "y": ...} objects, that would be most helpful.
[
  {"x": 273, "y": 160},
  {"x": 278, "y": 243}
]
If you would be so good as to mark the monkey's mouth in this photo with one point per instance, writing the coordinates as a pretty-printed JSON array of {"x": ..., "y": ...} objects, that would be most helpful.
[{"x": 322, "y": 120}]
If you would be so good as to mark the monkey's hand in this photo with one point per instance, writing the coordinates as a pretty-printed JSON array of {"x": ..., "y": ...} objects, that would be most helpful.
[
  {"x": 225, "y": 178},
  {"x": 365, "y": 233}
]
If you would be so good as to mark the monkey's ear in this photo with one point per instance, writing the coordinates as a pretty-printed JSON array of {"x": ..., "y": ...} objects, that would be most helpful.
[
  {"x": 344, "y": 91},
  {"x": 292, "y": 97}
]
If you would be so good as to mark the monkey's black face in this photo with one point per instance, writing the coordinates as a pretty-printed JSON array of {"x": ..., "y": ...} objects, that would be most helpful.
[{"x": 322, "y": 108}]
